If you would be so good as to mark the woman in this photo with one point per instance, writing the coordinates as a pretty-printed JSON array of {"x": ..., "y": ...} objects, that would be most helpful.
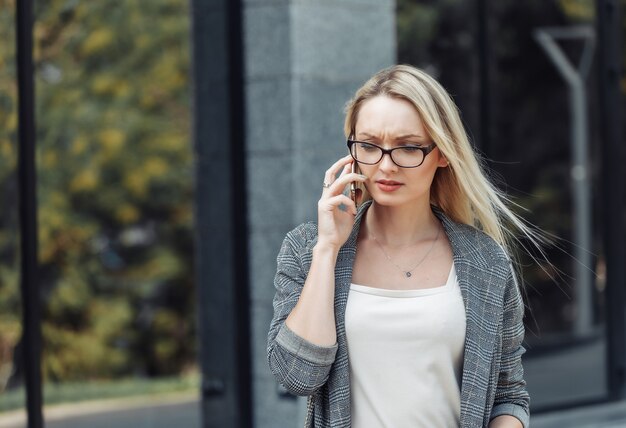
[{"x": 405, "y": 311}]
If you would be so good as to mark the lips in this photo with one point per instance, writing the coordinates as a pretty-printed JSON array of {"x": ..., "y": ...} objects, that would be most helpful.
[{"x": 388, "y": 185}]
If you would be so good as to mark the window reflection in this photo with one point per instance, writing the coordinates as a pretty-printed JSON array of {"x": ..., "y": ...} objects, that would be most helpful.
[
  {"x": 520, "y": 119},
  {"x": 114, "y": 206}
]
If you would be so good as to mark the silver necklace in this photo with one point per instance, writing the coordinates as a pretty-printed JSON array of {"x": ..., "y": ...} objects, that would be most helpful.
[{"x": 408, "y": 273}]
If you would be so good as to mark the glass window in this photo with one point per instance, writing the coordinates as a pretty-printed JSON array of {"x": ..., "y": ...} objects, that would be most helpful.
[
  {"x": 12, "y": 396},
  {"x": 522, "y": 120},
  {"x": 114, "y": 211}
]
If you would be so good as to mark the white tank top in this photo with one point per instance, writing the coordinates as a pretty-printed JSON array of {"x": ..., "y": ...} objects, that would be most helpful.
[{"x": 405, "y": 349}]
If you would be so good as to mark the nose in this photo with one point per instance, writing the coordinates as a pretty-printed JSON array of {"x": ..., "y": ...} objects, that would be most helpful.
[{"x": 387, "y": 164}]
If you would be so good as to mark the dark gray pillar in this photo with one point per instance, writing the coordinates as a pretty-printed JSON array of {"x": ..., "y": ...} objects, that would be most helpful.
[
  {"x": 27, "y": 179},
  {"x": 221, "y": 272},
  {"x": 304, "y": 60},
  {"x": 484, "y": 142},
  {"x": 610, "y": 33}
]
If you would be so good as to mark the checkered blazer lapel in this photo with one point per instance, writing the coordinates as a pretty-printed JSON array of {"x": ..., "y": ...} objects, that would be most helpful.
[{"x": 482, "y": 282}]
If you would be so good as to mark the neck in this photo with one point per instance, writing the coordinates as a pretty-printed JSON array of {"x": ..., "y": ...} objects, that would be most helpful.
[{"x": 401, "y": 225}]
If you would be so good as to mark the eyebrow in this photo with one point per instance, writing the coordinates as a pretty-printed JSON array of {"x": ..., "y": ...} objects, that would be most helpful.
[{"x": 399, "y": 137}]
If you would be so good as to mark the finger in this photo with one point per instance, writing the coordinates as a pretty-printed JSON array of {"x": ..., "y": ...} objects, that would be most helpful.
[
  {"x": 344, "y": 170},
  {"x": 341, "y": 202},
  {"x": 331, "y": 173},
  {"x": 340, "y": 184},
  {"x": 334, "y": 202}
]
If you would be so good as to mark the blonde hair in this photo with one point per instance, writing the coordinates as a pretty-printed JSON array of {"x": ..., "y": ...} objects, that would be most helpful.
[{"x": 462, "y": 190}]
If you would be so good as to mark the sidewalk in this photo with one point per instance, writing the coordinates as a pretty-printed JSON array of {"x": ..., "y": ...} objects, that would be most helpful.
[
  {"x": 163, "y": 410},
  {"x": 183, "y": 410},
  {"x": 609, "y": 415}
]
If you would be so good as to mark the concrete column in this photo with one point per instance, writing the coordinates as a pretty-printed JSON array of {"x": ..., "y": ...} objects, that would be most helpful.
[{"x": 303, "y": 61}]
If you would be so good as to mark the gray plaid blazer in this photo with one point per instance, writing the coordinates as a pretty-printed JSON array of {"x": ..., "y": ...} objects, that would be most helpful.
[{"x": 492, "y": 380}]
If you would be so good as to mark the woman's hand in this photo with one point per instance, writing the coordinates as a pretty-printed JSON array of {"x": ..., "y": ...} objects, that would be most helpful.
[{"x": 336, "y": 211}]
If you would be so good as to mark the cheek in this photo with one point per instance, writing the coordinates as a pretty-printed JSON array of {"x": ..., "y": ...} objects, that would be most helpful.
[
  {"x": 421, "y": 178},
  {"x": 367, "y": 170}
]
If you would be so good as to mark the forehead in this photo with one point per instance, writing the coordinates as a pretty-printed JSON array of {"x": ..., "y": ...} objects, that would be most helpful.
[{"x": 383, "y": 116}]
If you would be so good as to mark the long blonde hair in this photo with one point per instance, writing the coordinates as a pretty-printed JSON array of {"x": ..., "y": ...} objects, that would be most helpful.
[{"x": 462, "y": 190}]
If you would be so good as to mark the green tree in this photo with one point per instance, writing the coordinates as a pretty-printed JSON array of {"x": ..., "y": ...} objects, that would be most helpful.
[{"x": 115, "y": 186}]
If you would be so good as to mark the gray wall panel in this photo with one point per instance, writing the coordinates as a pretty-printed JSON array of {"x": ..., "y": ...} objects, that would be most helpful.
[
  {"x": 267, "y": 40},
  {"x": 270, "y": 191},
  {"x": 304, "y": 60},
  {"x": 338, "y": 42},
  {"x": 264, "y": 245},
  {"x": 269, "y": 116}
]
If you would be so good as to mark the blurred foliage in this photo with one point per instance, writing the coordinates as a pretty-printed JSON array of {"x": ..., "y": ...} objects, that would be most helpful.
[
  {"x": 114, "y": 188},
  {"x": 10, "y": 302},
  {"x": 528, "y": 152}
]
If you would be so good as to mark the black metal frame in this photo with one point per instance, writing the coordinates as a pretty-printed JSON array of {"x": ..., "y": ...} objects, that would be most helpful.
[
  {"x": 609, "y": 28},
  {"x": 31, "y": 337},
  {"x": 222, "y": 275},
  {"x": 484, "y": 73},
  {"x": 240, "y": 212}
]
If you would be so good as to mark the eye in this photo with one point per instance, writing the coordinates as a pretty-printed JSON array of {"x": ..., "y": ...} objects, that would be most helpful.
[
  {"x": 410, "y": 149},
  {"x": 367, "y": 147}
]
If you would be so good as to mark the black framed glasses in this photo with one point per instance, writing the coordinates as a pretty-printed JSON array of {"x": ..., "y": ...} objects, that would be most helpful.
[{"x": 403, "y": 156}]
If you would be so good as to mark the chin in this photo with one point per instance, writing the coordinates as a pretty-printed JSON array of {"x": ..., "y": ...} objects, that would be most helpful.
[
  {"x": 397, "y": 199},
  {"x": 388, "y": 200}
]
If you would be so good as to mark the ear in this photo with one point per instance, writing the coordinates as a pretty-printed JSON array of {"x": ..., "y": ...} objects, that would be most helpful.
[{"x": 442, "y": 162}]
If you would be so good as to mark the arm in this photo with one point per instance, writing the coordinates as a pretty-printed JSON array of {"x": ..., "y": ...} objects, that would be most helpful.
[
  {"x": 313, "y": 317},
  {"x": 302, "y": 342},
  {"x": 511, "y": 398},
  {"x": 302, "y": 337}
]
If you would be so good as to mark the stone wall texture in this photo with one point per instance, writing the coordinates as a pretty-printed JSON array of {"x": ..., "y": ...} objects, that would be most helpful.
[{"x": 304, "y": 60}]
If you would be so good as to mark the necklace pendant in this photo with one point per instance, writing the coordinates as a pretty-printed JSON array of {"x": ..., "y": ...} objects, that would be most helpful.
[{"x": 408, "y": 274}]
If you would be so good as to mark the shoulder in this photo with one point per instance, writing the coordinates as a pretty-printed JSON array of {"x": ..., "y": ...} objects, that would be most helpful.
[
  {"x": 474, "y": 244},
  {"x": 302, "y": 236},
  {"x": 483, "y": 242},
  {"x": 487, "y": 263},
  {"x": 295, "y": 251},
  {"x": 304, "y": 233}
]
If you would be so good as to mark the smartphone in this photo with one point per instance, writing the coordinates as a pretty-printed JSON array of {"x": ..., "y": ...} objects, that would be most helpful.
[{"x": 354, "y": 169}]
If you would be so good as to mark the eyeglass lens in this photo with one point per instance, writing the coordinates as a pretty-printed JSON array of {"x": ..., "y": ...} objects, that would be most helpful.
[{"x": 402, "y": 156}]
